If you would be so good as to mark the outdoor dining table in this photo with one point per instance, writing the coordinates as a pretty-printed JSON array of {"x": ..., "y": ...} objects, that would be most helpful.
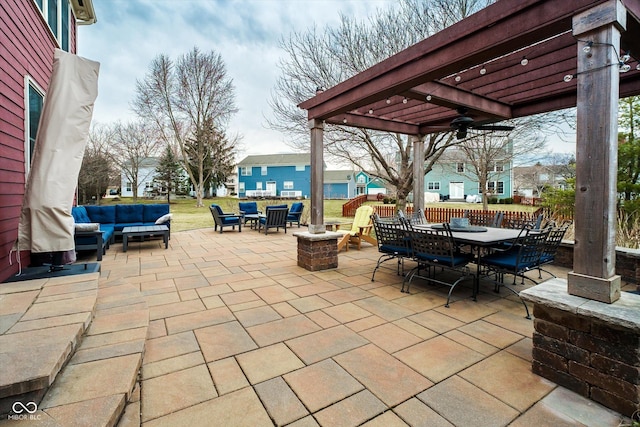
[{"x": 478, "y": 238}]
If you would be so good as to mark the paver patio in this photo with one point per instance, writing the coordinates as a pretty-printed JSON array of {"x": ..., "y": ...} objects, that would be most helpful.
[{"x": 239, "y": 335}]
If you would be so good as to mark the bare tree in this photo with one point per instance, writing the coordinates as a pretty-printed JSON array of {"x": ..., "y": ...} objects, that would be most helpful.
[
  {"x": 488, "y": 154},
  {"x": 97, "y": 171},
  {"x": 134, "y": 148},
  {"x": 185, "y": 97},
  {"x": 318, "y": 59}
]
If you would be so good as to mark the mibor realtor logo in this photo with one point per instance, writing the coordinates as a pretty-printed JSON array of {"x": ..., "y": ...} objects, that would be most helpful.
[{"x": 24, "y": 411}]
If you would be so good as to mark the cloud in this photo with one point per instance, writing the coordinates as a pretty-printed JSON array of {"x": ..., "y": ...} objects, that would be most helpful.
[{"x": 130, "y": 33}]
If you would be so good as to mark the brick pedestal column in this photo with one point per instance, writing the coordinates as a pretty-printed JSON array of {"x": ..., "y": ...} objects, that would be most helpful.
[
  {"x": 317, "y": 251},
  {"x": 588, "y": 346}
]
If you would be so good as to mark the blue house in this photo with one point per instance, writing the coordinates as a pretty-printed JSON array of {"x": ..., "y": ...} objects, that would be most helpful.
[
  {"x": 453, "y": 178},
  {"x": 275, "y": 175},
  {"x": 339, "y": 184},
  {"x": 365, "y": 184}
]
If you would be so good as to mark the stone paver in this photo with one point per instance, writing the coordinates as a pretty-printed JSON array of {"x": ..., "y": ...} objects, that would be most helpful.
[
  {"x": 323, "y": 344},
  {"x": 220, "y": 341},
  {"x": 351, "y": 411},
  {"x": 268, "y": 362},
  {"x": 281, "y": 402},
  {"x": 388, "y": 379},
  {"x": 463, "y": 404},
  {"x": 236, "y": 334},
  {"x": 175, "y": 391},
  {"x": 438, "y": 358},
  {"x": 321, "y": 384}
]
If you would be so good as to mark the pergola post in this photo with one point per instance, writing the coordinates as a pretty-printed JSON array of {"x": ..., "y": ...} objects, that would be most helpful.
[
  {"x": 418, "y": 172},
  {"x": 594, "y": 257},
  {"x": 317, "y": 177}
]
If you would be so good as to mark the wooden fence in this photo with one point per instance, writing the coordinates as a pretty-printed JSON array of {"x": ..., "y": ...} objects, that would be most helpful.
[{"x": 349, "y": 208}]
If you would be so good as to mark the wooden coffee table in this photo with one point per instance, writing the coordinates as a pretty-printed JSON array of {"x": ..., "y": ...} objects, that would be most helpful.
[{"x": 143, "y": 231}]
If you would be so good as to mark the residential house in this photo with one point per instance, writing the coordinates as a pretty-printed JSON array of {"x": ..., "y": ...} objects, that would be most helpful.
[
  {"x": 146, "y": 174},
  {"x": 531, "y": 181},
  {"x": 453, "y": 178},
  {"x": 365, "y": 184},
  {"x": 275, "y": 175},
  {"x": 30, "y": 32},
  {"x": 339, "y": 184}
]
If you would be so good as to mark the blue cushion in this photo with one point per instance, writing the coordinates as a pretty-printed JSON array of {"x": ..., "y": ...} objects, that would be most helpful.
[
  {"x": 249, "y": 208},
  {"x": 231, "y": 220},
  {"x": 296, "y": 208},
  {"x": 458, "y": 259},
  {"x": 152, "y": 212},
  {"x": 102, "y": 214},
  {"x": 390, "y": 249},
  {"x": 80, "y": 215},
  {"x": 128, "y": 213},
  {"x": 217, "y": 208},
  {"x": 120, "y": 225}
]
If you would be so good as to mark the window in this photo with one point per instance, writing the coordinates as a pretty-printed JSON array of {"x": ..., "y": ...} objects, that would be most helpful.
[
  {"x": 499, "y": 167},
  {"x": 495, "y": 187},
  {"x": 148, "y": 186},
  {"x": 460, "y": 167},
  {"x": 245, "y": 171},
  {"x": 128, "y": 187},
  {"x": 300, "y": 168},
  {"x": 263, "y": 170},
  {"x": 258, "y": 185},
  {"x": 241, "y": 187},
  {"x": 361, "y": 179},
  {"x": 433, "y": 185},
  {"x": 288, "y": 185},
  {"x": 58, "y": 17},
  {"x": 33, "y": 111}
]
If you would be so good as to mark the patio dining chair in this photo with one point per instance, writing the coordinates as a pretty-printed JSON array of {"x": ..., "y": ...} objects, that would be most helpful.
[
  {"x": 275, "y": 217},
  {"x": 482, "y": 218},
  {"x": 521, "y": 258},
  {"x": 548, "y": 254},
  {"x": 392, "y": 241},
  {"x": 435, "y": 251},
  {"x": 221, "y": 219},
  {"x": 360, "y": 229}
]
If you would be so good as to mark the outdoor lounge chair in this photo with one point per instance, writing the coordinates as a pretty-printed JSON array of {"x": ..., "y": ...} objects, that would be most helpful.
[
  {"x": 360, "y": 229},
  {"x": 295, "y": 213},
  {"x": 275, "y": 217},
  {"x": 434, "y": 251},
  {"x": 249, "y": 212},
  {"x": 221, "y": 219}
]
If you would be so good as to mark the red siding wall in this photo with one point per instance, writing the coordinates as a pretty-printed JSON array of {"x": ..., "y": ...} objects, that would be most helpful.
[{"x": 26, "y": 49}]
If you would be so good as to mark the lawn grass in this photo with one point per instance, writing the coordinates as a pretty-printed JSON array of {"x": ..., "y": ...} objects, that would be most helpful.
[{"x": 186, "y": 216}]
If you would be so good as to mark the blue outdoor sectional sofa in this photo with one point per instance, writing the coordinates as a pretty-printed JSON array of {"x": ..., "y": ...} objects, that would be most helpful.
[{"x": 112, "y": 219}]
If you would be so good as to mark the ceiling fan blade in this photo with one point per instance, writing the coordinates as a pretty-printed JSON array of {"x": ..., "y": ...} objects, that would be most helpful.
[{"x": 493, "y": 127}]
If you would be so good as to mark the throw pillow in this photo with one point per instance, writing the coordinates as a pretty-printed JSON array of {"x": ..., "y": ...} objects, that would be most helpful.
[
  {"x": 163, "y": 219},
  {"x": 88, "y": 226}
]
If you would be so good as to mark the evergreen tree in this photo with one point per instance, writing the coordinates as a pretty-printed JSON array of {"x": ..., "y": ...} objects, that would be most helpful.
[{"x": 169, "y": 171}]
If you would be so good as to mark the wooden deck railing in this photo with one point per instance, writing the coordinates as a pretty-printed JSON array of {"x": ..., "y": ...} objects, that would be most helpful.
[{"x": 349, "y": 208}]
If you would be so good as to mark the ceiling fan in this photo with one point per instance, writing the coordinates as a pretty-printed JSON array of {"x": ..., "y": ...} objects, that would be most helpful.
[{"x": 463, "y": 123}]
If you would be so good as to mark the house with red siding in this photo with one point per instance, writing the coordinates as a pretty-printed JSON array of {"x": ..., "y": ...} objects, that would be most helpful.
[{"x": 30, "y": 31}]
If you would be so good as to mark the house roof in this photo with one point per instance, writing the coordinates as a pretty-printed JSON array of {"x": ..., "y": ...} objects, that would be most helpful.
[
  {"x": 276, "y": 159},
  {"x": 419, "y": 90},
  {"x": 338, "y": 175}
]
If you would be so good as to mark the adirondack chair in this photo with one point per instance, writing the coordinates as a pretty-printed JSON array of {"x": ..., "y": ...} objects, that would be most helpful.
[{"x": 360, "y": 229}]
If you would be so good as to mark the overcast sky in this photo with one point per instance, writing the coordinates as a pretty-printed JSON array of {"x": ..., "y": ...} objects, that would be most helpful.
[{"x": 129, "y": 34}]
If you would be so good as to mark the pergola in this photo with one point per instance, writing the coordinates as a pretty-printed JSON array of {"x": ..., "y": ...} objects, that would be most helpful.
[{"x": 512, "y": 59}]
